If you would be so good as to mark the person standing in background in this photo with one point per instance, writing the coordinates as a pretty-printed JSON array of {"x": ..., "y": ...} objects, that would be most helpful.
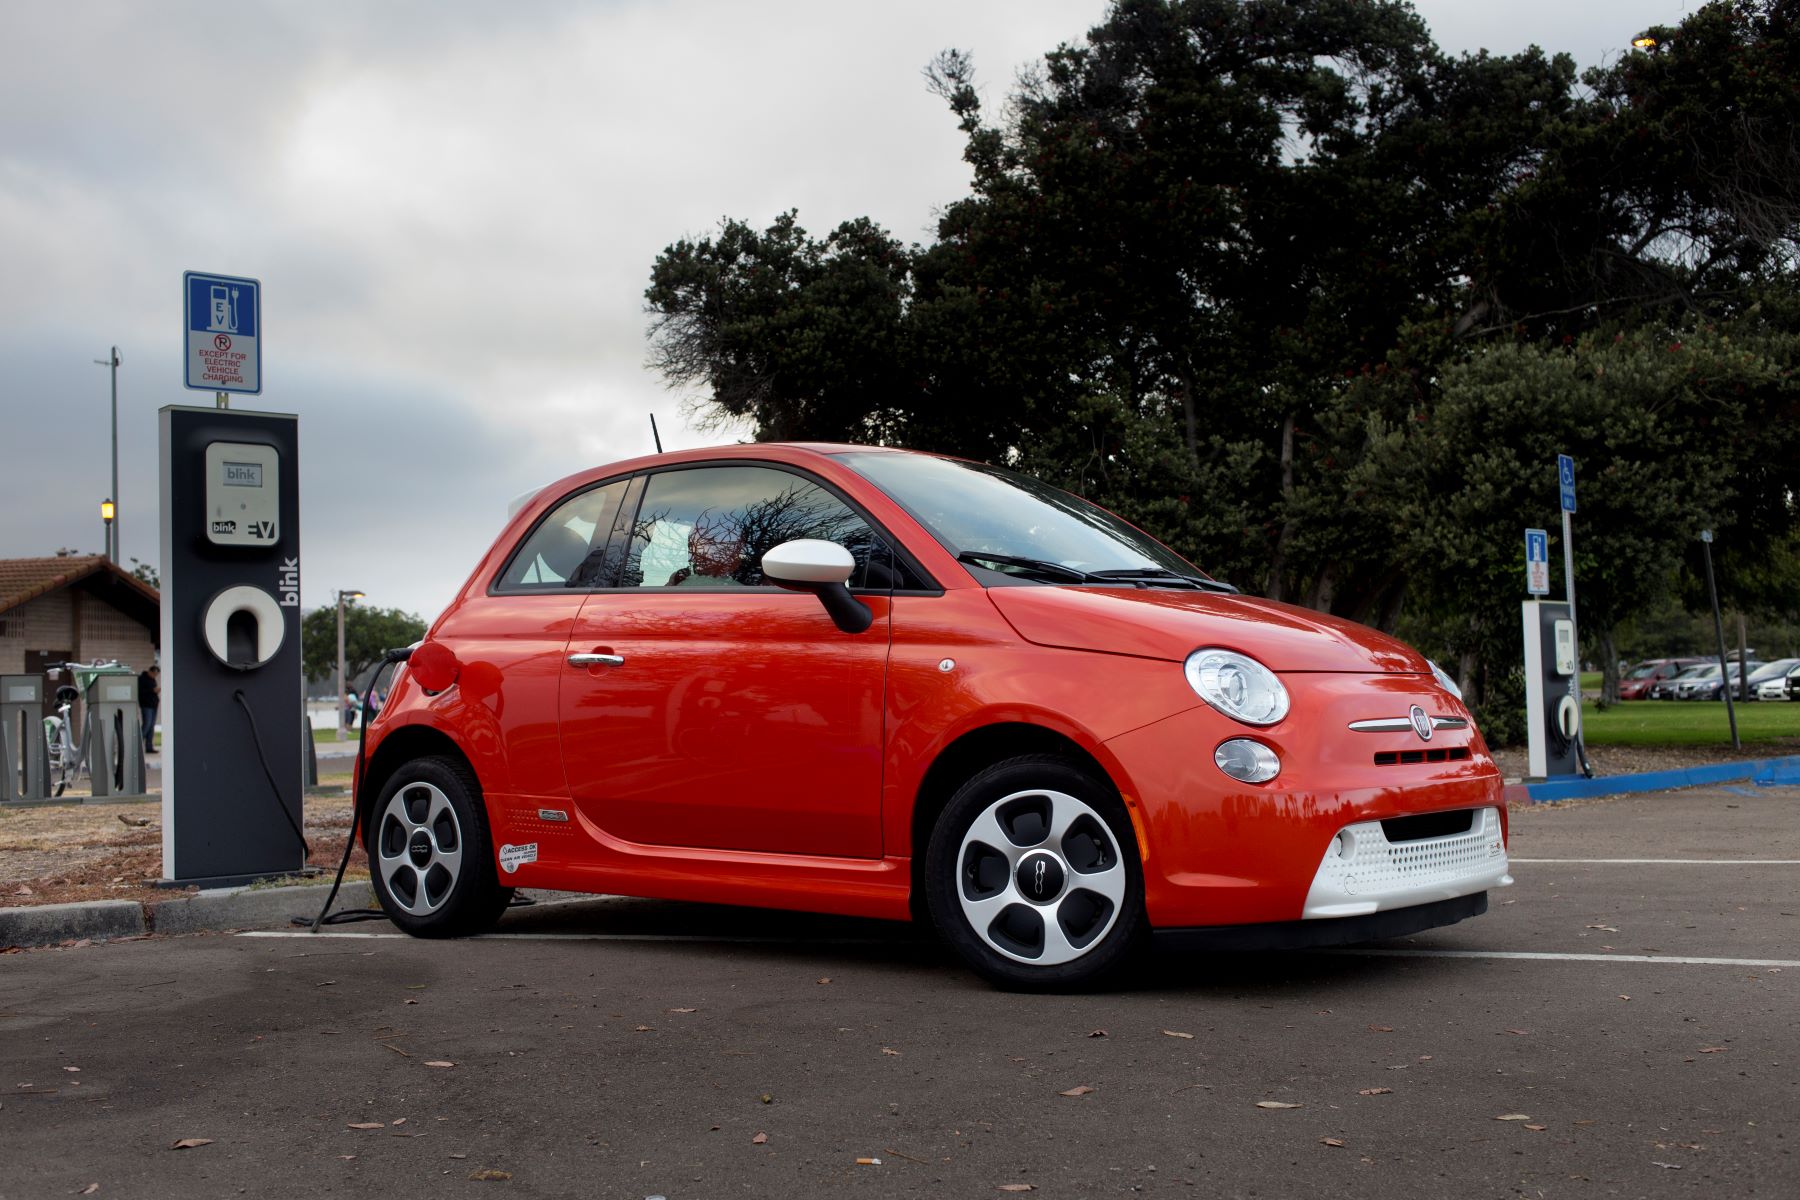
[{"x": 149, "y": 698}]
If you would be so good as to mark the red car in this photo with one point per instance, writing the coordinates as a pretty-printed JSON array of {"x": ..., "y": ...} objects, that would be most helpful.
[
  {"x": 888, "y": 684},
  {"x": 1641, "y": 678}
]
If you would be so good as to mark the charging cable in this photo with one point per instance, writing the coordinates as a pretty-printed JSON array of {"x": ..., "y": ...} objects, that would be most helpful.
[
  {"x": 388, "y": 659},
  {"x": 274, "y": 788}
]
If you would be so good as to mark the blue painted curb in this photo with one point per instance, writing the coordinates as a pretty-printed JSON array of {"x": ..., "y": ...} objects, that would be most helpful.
[{"x": 1768, "y": 771}]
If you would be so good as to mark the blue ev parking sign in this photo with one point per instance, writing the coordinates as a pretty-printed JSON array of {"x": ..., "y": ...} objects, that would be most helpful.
[{"x": 223, "y": 323}]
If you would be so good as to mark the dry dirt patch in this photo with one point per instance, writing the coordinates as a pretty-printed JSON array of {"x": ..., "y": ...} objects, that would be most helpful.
[{"x": 64, "y": 853}]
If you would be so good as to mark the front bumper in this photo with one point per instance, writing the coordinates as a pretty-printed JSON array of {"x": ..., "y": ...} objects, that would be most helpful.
[{"x": 1365, "y": 872}]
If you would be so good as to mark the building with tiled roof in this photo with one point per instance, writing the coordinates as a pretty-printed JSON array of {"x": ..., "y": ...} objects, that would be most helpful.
[{"x": 74, "y": 608}]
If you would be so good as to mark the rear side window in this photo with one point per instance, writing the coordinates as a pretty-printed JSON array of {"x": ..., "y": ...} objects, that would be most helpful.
[
  {"x": 568, "y": 547},
  {"x": 708, "y": 527}
]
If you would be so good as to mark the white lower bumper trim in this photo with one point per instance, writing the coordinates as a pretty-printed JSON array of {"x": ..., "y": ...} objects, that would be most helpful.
[{"x": 1362, "y": 872}]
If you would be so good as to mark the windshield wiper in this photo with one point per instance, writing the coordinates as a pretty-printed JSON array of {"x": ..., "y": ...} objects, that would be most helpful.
[
  {"x": 1043, "y": 568},
  {"x": 1164, "y": 576}
]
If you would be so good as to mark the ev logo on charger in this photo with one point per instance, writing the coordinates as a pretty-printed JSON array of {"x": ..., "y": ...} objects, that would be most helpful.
[{"x": 288, "y": 583}]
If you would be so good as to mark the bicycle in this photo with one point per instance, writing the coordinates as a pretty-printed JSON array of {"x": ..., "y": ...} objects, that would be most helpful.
[{"x": 68, "y": 753}]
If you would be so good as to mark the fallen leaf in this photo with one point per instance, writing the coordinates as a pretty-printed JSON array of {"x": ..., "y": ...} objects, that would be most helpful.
[
  {"x": 1513, "y": 1117},
  {"x": 1016, "y": 1187},
  {"x": 409, "y": 1000},
  {"x": 90, "y": 1189},
  {"x": 827, "y": 979},
  {"x": 366, "y": 1125},
  {"x": 1666, "y": 1166},
  {"x": 190, "y": 1143},
  {"x": 1624, "y": 997},
  {"x": 24, "y": 890},
  {"x": 1518, "y": 1032},
  {"x": 78, "y": 1069},
  {"x": 684, "y": 1010},
  {"x": 643, "y": 1029},
  {"x": 890, "y": 1051},
  {"x": 1376, "y": 1092},
  {"x": 1381, "y": 1029},
  {"x": 766, "y": 1098},
  {"x": 1424, "y": 1058},
  {"x": 459, "y": 1156},
  {"x": 759, "y": 1139},
  {"x": 1587, "y": 1122},
  {"x": 489, "y": 1175},
  {"x": 398, "y": 1121},
  {"x": 1537, "y": 1128},
  {"x": 1606, "y": 928},
  {"x": 440, "y": 1062},
  {"x": 1096, "y": 1033},
  {"x": 1177, "y": 1033},
  {"x": 1276, "y": 1104},
  {"x": 1331, "y": 1141},
  {"x": 1078, "y": 1090},
  {"x": 1714, "y": 1049}
]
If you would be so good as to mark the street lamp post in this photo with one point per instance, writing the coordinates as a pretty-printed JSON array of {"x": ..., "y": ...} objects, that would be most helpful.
[
  {"x": 342, "y": 597},
  {"x": 112, "y": 361},
  {"x": 108, "y": 511}
]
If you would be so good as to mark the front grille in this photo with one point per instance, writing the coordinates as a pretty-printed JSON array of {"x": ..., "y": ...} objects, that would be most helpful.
[
  {"x": 1396, "y": 758},
  {"x": 1428, "y": 825}
]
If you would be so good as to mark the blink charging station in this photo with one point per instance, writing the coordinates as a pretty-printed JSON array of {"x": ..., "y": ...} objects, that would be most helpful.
[
  {"x": 231, "y": 692},
  {"x": 1552, "y": 683}
]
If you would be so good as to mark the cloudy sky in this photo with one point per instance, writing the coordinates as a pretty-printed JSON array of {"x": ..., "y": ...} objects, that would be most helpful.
[{"x": 453, "y": 209}]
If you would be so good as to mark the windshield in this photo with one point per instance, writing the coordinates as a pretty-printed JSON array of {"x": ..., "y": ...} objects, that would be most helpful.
[
  {"x": 1645, "y": 672},
  {"x": 976, "y": 509}
]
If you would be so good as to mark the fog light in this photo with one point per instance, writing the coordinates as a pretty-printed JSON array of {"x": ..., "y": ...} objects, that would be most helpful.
[{"x": 1249, "y": 761}]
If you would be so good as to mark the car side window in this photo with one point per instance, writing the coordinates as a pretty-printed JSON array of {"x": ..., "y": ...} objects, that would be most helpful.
[
  {"x": 708, "y": 527},
  {"x": 568, "y": 547}
]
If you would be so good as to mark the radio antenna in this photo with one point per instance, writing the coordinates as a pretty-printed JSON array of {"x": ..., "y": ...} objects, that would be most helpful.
[{"x": 655, "y": 434}]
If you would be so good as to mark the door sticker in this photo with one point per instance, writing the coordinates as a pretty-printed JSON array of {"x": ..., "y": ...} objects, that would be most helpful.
[{"x": 513, "y": 857}]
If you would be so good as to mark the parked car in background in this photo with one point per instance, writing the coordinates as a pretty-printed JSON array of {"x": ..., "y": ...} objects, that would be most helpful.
[
  {"x": 1712, "y": 687},
  {"x": 1770, "y": 683},
  {"x": 1668, "y": 689},
  {"x": 1640, "y": 679},
  {"x": 1793, "y": 685}
]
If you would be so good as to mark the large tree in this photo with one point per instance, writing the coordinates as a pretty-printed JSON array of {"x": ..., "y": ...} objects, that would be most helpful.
[{"x": 1228, "y": 266}]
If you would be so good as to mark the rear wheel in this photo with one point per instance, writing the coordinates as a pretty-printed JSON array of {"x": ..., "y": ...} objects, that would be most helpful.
[
  {"x": 430, "y": 858},
  {"x": 1033, "y": 876}
]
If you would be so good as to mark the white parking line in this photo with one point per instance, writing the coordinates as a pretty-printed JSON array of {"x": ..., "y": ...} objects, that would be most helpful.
[
  {"x": 590, "y": 937},
  {"x": 1545, "y": 956},
  {"x": 1666, "y": 862},
  {"x": 1372, "y": 951}
]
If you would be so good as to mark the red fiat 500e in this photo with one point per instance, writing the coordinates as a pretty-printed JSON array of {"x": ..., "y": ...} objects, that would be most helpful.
[{"x": 888, "y": 684}]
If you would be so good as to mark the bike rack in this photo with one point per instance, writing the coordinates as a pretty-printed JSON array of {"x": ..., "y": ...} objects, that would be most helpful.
[
  {"x": 115, "y": 738},
  {"x": 23, "y": 750}
]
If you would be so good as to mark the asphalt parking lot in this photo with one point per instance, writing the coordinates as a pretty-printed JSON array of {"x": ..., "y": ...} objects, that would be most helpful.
[{"x": 1621, "y": 1023}]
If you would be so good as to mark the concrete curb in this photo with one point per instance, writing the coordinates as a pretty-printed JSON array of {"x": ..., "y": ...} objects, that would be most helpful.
[
  {"x": 220, "y": 908},
  {"x": 1767, "y": 771}
]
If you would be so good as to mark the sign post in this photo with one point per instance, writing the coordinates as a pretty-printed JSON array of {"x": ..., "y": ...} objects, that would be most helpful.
[
  {"x": 1537, "y": 562},
  {"x": 1565, "y": 478},
  {"x": 222, "y": 325}
]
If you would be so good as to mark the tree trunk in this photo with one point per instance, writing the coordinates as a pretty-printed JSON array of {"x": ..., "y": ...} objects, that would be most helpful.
[
  {"x": 1324, "y": 589},
  {"x": 1609, "y": 668},
  {"x": 1278, "y": 560},
  {"x": 1193, "y": 423}
]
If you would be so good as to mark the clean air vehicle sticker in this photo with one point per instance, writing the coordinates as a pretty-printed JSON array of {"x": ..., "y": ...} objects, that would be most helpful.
[{"x": 513, "y": 857}]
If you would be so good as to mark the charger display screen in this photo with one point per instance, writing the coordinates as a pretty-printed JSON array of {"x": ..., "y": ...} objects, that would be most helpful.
[{"x": 242, "y": 474}]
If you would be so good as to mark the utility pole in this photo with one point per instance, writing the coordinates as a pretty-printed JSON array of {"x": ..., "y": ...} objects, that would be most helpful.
[
  {"x": 348, "y": 594},
  {"x": 1706, "y": 538},
  {"x": 112, "y": 540}
]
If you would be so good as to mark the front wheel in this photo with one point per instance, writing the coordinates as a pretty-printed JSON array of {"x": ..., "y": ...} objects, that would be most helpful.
[
  {"x": 430, "y": 858},
  {"x": 1033, "y": 876}
]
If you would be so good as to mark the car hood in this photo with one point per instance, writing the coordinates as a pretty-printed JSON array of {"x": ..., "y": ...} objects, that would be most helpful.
[{"x": 1171, "y": 624}]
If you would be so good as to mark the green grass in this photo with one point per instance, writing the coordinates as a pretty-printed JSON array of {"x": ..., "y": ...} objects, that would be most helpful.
[
  {"x": 350, "y": 735},
  {"x": 1591, "y": 681},
  {"x": 1687, "y": 723}
]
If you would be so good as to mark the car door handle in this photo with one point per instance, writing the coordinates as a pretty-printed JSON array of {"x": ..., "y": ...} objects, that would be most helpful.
[{"x": 596, "y": 660}]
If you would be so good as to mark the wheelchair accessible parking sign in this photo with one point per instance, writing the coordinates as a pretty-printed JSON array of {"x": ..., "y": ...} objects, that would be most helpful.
[{"x": 223, "y": 323}]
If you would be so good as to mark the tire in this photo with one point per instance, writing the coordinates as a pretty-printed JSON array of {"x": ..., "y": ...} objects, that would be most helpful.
[
  {"x": 1033, "y": 876},
  {"x": 431, "y": 860}
]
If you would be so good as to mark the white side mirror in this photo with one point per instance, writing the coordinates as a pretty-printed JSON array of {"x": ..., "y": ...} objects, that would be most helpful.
[{"x": 808, "y": 562}]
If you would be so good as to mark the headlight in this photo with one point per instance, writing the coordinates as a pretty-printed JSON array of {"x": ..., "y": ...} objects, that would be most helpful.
[
  {"x": 1238, "y": 686},
  {"x": 1444, "y": 681}
]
